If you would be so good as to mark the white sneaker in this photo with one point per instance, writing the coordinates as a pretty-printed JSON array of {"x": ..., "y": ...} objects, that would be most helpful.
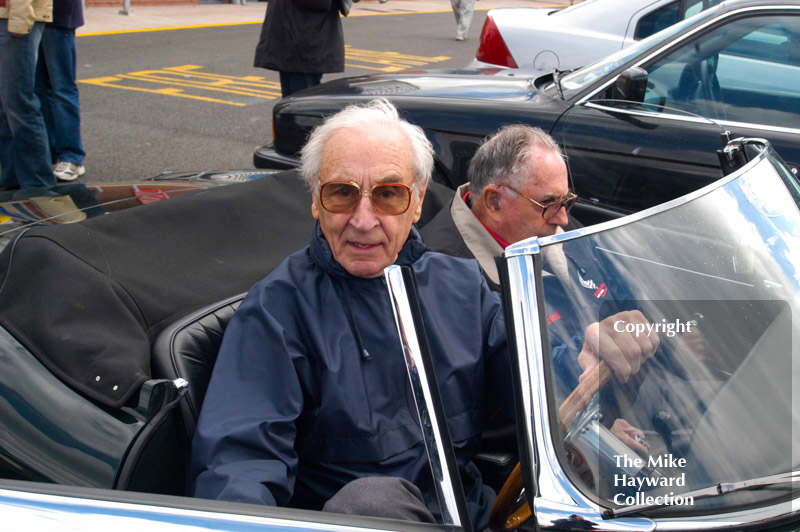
[
  {"x": 459, "y": 37},
  {"x": 65, "y": 171}
]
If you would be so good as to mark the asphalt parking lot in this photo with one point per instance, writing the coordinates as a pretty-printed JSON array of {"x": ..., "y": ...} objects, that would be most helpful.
[{"x": 172, "y": 88}]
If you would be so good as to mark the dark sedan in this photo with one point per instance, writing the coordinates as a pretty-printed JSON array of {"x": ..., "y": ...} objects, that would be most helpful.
[{"x": 639, "y": 128}]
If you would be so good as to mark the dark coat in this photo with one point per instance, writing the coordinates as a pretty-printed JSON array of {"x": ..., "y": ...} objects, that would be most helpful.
[
  {"x": 294, "y": 410},
  {"x": 302, "y": 36},
  {"x": 67, "y": 14}
]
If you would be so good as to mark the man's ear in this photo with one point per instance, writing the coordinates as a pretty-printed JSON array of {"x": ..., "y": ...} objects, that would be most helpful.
[
  {"x": 314, "y": 209},
  {"x": 490, "y": 197},
  {"x": 418, "y": 208}
]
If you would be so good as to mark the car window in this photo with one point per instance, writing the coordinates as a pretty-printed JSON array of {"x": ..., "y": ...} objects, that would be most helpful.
[
  {"x": 693, "y": 7},
  {"x": 587, "y": 75},
  {"x": 656, "y": 21},
  {"x": 745, "y": 71},
  {"x": 668, "y": 15}
]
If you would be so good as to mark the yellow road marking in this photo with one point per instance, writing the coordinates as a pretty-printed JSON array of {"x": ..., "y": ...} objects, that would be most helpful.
[
  {"x": 190, "y": 81},
  {"x": 186, "y": 81},
  {"x": 389, "y": 61},
  {"x": 352, "y": 15},
  {"x": 108, "y": 82},
  {"x": 221, "y": 24}
]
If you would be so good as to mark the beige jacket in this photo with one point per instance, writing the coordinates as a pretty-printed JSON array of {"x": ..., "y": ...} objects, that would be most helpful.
[{"x": 21, "y": 14}]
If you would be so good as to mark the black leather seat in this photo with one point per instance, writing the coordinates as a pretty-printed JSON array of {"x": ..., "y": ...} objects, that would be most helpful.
[{"x": 188, "y": 349}]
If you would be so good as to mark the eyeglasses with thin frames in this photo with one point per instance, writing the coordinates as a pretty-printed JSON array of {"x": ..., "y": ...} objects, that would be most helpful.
[
  {"x": 551, "y": 209},
  {"x": 386, "y": 198}
]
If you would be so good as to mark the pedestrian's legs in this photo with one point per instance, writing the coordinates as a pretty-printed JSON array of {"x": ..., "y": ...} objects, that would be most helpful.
[
  {"x": 292, "y": 82},
  {"x": 58, "y": 92},
  {"x": 29, "y": 156},
  {"x": 462, "y": 9}
]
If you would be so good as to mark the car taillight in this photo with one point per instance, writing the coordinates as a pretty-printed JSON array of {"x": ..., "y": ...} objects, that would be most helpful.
[{"x": 492, "y": 48}]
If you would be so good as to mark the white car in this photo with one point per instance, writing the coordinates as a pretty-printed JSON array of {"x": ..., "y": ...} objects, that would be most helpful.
[{"x": 572, "y": 37}]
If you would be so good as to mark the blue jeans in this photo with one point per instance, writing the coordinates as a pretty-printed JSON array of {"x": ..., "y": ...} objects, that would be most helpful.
[
  {"x": 24, "y": 153},
  {"x": 58, "y": 94}
]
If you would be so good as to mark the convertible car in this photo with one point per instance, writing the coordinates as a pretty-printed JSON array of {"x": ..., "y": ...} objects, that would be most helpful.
[{"x": 110, "y": 325}]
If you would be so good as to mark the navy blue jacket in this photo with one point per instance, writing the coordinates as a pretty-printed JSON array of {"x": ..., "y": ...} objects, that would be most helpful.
[
  {"x": 294, "y": 410},
  {"x": 67, "y": 14}
]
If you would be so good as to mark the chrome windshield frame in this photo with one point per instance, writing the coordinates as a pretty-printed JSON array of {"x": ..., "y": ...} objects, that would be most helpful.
[
  {"x": 555, "y": 496},
  {"x": 523, "y": 246}
]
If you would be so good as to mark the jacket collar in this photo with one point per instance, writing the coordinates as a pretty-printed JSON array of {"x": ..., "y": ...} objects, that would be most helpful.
[{"x": 322, "y": 254}]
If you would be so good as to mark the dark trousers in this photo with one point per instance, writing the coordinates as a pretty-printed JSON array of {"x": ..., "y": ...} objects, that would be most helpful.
[
  {"x": 295, "y": 81},
  {"x": 390, "y": 497}
]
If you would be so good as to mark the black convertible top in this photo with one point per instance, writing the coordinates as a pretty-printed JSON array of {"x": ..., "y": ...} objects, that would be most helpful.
[{"x": 86, "y": 299}]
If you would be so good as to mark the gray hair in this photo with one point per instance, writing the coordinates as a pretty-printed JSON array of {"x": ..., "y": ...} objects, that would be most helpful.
[
  {"x": 378, "y": 111},
  {"x": 504, "y": 156}
]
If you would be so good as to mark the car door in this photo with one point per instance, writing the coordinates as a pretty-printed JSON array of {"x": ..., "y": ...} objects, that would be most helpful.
[{"x": 733, "y": 75}]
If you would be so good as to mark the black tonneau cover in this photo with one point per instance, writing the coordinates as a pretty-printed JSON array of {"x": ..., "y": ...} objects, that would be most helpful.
[{"x": 87, "y": 298}]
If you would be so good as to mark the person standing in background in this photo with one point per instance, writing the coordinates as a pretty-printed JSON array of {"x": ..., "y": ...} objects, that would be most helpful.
[
  {"x": 302, "y": 39},
  {"x": 58, "y": 91},
  {"x": 24, "y": 154},
  {"x": 463, "y": 10}
]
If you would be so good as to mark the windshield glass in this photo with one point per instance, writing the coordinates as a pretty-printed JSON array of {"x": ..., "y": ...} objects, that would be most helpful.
[
  {"x": 589, "y": 74},
  {"x": 715, "y": 283}
]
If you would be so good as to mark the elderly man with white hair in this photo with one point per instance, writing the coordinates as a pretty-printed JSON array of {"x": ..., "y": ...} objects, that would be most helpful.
[
  {"x": 309, "y": 405},
  {"x": 309, "y": 391}
]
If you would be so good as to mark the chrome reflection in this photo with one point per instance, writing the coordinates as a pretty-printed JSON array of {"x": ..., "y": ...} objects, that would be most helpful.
[
  {"x": 437, "y": 440},
  {"x": 557, "y": 503},
  {"x": 765, "y": 152},
  {"x": 725, "y": 260}
]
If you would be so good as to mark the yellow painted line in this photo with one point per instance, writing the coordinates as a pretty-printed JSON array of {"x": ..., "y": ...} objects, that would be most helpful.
[
  {"x": 185, "y": 81},
  {"x": 190, "y": 77},
  {"x": 107, "y": 82},
  {"x": 222, "y": 24},
  {"x": 220, "y": 86},
  {"x": 168, "y": 28},
  {"x": 391, "y": 61}
]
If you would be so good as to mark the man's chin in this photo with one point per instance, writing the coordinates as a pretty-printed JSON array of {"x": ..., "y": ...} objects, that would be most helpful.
[{"x": 365, "y": 269}]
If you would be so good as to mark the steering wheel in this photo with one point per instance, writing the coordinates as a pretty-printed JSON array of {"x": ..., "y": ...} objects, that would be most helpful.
[{"x": 502, "y": 519}]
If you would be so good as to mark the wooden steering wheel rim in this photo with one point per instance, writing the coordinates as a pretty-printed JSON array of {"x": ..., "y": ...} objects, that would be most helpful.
[{"x": 501, "y": 518}]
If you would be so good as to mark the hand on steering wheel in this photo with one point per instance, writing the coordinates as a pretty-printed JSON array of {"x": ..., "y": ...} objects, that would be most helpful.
[{"x": 502, "y": 519}]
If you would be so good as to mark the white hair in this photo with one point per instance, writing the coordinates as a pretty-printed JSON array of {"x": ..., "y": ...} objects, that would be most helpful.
[{"x": 379, "y": 111}]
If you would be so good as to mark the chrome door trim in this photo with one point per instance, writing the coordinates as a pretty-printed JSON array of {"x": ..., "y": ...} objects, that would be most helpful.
[
  {"x": 435, "y": 434},
  {"x": 68, "y": 513},
  {"x": 682, "y": 116}
]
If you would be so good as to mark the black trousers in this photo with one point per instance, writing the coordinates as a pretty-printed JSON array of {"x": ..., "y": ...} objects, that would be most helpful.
[
  {"x": 391, "y": 497},
  {"x": 295, "y": 81}
]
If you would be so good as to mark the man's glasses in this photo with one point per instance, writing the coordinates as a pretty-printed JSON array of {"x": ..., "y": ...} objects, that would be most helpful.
[
  {"x": 343, "y": 197},
  {"x": 551, "y": 209}
]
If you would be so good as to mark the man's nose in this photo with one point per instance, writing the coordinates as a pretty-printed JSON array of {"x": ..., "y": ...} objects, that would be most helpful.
[
  {"x": 561, "y": 219},
  {"x": 364, "y": 217}
]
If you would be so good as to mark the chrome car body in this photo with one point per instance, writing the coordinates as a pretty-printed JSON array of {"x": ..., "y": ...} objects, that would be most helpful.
[
  {"x": 65, "y": 456},
  {"x": 541, "y": 39}
]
